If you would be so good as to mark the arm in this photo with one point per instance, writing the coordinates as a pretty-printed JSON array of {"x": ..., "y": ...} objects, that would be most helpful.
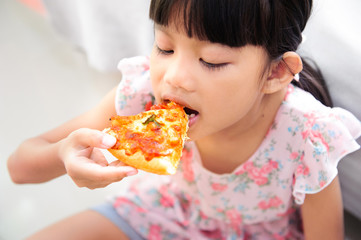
[
  {"x": 322, "y": 213},
  {"x": 69, "y": 149}
]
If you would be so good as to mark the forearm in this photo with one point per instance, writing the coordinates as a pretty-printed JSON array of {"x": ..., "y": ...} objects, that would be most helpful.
[
  {"x": 71, "y": 148},
  {"x": 35, "y": 161}
]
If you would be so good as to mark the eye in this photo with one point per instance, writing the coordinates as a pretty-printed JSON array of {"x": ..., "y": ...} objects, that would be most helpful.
[
  {"x": 163, "y": 51},
  {"x": 213, "y": 66}
]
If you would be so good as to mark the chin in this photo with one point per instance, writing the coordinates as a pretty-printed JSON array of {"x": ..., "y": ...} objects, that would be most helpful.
[{"x": 194, "y": 135}]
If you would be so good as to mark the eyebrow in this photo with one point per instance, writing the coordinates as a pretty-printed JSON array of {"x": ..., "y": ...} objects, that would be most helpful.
[
  {"x": 165, "y": 29},
  {"x": 158, "y": 26},
  {"x": 162, "y": 28},
  {"x": 168, "y": 29}
]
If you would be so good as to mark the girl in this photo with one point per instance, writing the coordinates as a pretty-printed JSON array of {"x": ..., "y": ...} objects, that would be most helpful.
[{"x": 263, "y": 156}]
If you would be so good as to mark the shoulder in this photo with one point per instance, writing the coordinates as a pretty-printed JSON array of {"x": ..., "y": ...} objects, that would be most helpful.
[
  {"x": 319, "y": 138},
  {"x": 134, "y": 92},
  {"x": 134, "y": 65},
  {"x": 310, "y": 115}
]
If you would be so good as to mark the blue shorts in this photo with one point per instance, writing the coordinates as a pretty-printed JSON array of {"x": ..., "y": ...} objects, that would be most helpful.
[{"x": 108, "y": 211}]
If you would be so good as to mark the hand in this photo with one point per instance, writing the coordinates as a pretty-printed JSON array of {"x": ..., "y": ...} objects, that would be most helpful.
[{"x": 85, "y": 163}]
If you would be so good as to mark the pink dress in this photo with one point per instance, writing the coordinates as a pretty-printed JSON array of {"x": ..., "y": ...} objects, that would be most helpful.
[{"x": 260, "y": 198}]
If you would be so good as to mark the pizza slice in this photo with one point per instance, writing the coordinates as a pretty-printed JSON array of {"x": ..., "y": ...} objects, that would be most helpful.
[{"x": 151, "y": 141}]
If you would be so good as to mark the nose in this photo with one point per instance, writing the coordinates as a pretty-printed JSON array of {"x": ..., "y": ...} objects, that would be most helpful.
[{"x": 179, "y": 74}]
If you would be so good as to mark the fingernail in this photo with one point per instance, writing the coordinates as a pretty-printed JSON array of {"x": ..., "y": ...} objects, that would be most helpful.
[
  {"x": 132, "y": 173},
  {"x": 108, "y": 140}
]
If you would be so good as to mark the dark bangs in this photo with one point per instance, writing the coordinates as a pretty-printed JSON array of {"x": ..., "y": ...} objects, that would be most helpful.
[
  {"x": 230, "y": 22},
  {"x": 274, "y": 25}
]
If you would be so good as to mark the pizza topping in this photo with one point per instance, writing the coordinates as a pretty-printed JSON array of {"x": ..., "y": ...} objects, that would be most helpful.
[
  {"x": 156, "y": 134},
  {"x": 150, "y": 146},
  {"x": 152, "y": 119}
]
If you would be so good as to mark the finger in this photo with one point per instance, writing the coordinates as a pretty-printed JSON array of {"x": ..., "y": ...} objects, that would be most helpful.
[
  {"x": 98, "y": 157},
  {"x": 93, "y": 175},
  {"x": 108, "y": 141},
  {"x": 118, "y": 172},
  {"x": 117, "y": 163},
  {"x": 93, "y": 138}
]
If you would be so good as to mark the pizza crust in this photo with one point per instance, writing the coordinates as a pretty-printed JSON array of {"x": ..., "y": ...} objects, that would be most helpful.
[{"x": 160, "y": 165}]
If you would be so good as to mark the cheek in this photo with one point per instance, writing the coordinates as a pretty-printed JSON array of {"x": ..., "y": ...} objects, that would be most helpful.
[
  {"x": 234, "y": 99},
  {"x": 156, "y": 87},
  {"x": 155, "y": 79},
  {"x": 155, "y": 70},
  {"x": 237, "y": 90}
]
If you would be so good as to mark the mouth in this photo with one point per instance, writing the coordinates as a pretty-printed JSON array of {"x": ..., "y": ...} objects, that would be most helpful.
[
  {"x": 190, "y": 112},
  {"x": 193, "y": 116}
]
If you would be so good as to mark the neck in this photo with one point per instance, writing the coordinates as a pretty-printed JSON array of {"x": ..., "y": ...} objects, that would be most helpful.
[{"x": 226, "y": 150}]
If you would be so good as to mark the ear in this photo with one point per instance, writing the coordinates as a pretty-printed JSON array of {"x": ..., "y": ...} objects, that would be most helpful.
[{"x": 282, "y": 72}]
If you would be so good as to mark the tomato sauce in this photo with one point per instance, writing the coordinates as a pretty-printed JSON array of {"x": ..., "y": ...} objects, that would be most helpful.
[{"x": 152, "y": 141}]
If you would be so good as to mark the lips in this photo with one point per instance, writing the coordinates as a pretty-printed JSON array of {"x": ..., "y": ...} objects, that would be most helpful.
[{"x": 192, "y": 114}]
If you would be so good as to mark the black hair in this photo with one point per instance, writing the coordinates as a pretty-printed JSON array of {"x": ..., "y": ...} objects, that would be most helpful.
[{"x": 276, "y": 25}]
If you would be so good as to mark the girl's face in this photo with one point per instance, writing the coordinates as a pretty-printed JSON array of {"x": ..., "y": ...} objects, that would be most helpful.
[{"x": 219, "y": 86}]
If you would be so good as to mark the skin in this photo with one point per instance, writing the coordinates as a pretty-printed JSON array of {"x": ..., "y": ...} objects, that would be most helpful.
[
  {"x": 234, "y": 97},
  {"x": 199, "y": 75}
]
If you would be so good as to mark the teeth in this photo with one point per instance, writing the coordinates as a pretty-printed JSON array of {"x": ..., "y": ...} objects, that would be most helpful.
[{"x": 192, "y": 115}]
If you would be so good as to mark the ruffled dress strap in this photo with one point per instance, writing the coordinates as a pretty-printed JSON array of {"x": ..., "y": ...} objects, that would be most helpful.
[
  {"x": 134, "y": 92},
  {"x": 327, "y": 135}
]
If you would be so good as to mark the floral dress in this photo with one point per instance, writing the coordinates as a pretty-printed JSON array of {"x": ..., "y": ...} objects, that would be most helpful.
[{"x": 260, "y": 199}]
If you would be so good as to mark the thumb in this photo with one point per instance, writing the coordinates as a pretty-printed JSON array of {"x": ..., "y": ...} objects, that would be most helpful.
[
  {"x": 93, "y": 138},
  {"x": 108, "y": 141}
]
